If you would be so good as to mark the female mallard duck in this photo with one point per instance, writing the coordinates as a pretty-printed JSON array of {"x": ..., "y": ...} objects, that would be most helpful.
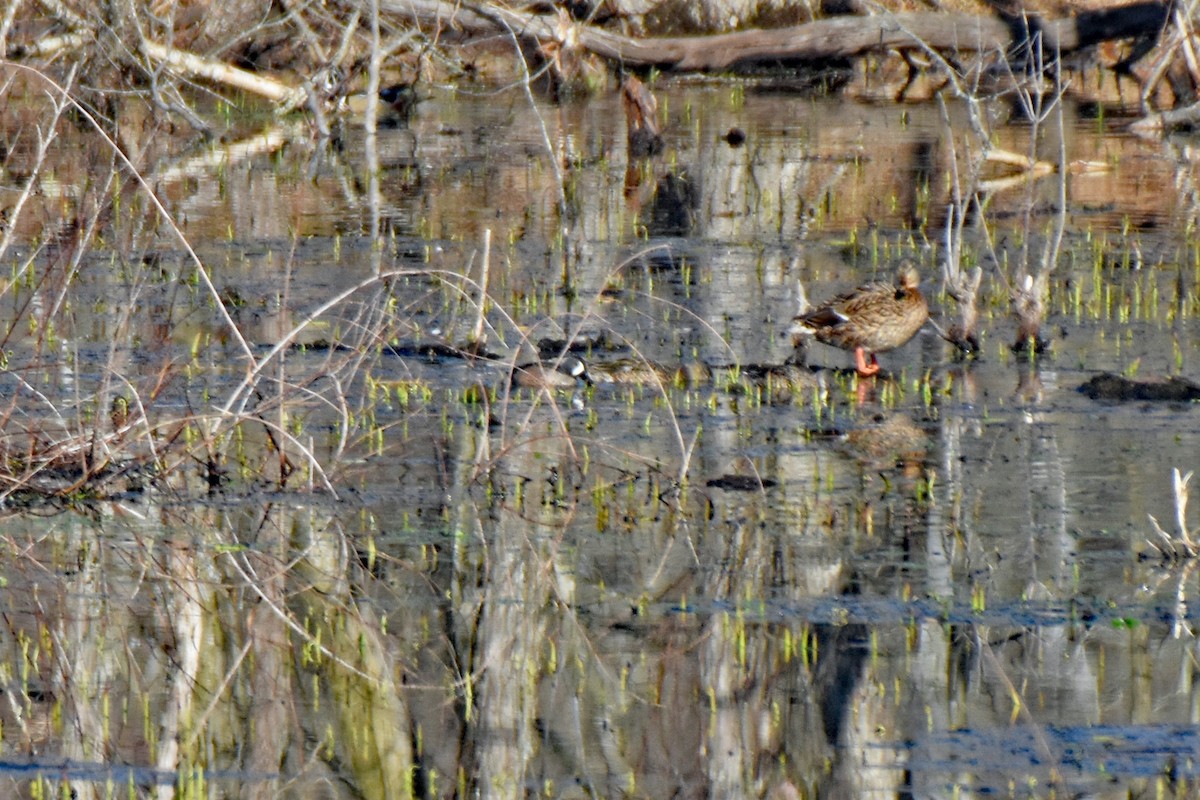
[{"x": 874, "y": 318}]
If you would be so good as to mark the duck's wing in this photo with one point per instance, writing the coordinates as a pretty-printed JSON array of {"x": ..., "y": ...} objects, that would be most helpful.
[
  {"x": 826, "y": 316},
  {"x": 846, "y": 307}
]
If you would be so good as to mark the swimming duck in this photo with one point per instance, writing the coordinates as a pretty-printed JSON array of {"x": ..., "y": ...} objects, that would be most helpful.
[
  {"x": 565, "y": 374},
  {"x": 875, "y": 318}
]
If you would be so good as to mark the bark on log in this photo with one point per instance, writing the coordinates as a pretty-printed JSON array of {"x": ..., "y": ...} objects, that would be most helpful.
[{"x": 822, "y": 39}]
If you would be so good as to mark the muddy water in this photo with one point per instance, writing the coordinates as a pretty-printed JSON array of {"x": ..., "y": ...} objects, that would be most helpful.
[{"x": 715, "y": 577}]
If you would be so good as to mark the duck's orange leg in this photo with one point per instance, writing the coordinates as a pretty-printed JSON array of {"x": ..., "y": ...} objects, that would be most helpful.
[{"x": 865, "y": 369}]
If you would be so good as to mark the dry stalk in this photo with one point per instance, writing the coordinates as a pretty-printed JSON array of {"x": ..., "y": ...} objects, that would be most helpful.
[
  {"x": 60, "y": 102},
  {"x": 478, "y": 340},
  {"x": 1029, "y": 307},
  {"x": 553, "y": 157},
  {"x": 1028, "y": 289},
  {"x": 68, "y": 453}
]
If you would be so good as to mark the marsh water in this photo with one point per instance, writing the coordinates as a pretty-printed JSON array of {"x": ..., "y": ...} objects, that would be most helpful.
[{"x": 711, "y": 573}]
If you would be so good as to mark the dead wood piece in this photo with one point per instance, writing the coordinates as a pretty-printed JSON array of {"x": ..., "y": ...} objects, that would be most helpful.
[
  {"x": 963, "y": 288},
  {"x": 182, "y": 62},
  {"x": 50, "y": 45},
  {"x": 641, "y": 118},
  {"x": 1018, "y": 160},
  {"x": 1029, "y": 307},
  {"x": 194, "y": 66}
]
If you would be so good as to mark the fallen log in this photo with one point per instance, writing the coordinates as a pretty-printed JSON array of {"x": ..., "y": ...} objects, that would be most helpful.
[{"x": 837, "y": 37}]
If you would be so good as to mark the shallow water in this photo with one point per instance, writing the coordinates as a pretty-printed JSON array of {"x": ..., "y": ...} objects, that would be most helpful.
[{"x": 940, "y": 587}]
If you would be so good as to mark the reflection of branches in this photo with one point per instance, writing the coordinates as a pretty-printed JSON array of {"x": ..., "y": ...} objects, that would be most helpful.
[
  {"x": 188, "y": 600},
  {"x": 1178, "y": 613},
  {"x": 1021, "y": 709},
  {"x": 552, "y": 155},
  {"x": 150, "y": 194},
  {"x": 59, "y": 95}
]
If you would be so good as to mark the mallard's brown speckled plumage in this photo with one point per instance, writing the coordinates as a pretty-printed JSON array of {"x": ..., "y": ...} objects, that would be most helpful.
[{"x": 875, "y": 318}]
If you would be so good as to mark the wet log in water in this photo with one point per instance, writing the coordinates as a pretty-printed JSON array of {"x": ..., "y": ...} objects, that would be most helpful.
[{"x": 821, "y": 39}]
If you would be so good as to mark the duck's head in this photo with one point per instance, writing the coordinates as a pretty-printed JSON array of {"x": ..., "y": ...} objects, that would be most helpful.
[
  {"x": 575, "y": 368},
  {"x": 907, "y": 277}
]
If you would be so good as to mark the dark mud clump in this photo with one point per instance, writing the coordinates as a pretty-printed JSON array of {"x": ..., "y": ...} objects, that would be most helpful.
[
  {"x": 740, "y": 483},
  {"x": 1107, "y": 386}
]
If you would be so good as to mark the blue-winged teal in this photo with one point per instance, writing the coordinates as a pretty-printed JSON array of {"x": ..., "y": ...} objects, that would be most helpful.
[{"x": 568, "y": 373}]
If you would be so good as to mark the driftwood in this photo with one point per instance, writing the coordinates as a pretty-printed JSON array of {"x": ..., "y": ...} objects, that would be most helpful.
[{"x": 838, "y": 37}]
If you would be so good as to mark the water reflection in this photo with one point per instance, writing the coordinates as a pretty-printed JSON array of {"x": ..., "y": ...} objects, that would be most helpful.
[{"x": 554, "y": 659}]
